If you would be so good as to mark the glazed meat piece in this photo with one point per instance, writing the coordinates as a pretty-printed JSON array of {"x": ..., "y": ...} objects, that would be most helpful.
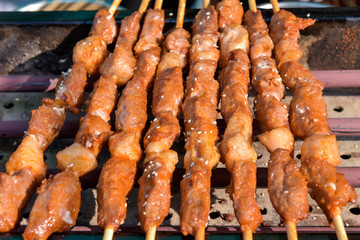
[
  {"x": 266, "y": 79},
  {"x": 327, "y": 187},
  {"x": 242, "y": 191},
  {"x": 294, "y": 73},
  {"x": 307, "y": 113},
  {"x": 168, "y": 92},
  {"x": 70, "y": 87},
  {"x": 322, "y": 147},
  {"x": 115, "y": 182},
  {"x": 230, "y": 12},
  {"x": 151, "y": 34},
  {"x": 120, "y": 64},
  {"x": 91, "y": 51},
  {"x": 46, "y": 122},
  {"x": 102, "y": 100},
  {"x": 60, "y": 196},
  {"x": 287, "y": 50},
  {"x": 206, "y": 21},
  {"x": 278, "y": 138},
  {"x": 287, "y": 187},
  {"x": 15, "y": 192},
  {"x": 270, "y": 113},
  {"x": 129, "y": 116},
  {"x": 104, "y": 26},
  {"x": 195, "y": 192},
  {"x": 284, "y": 24},
  {"x": 155, "y": 188},
  {"x": 232, "y": 37},
  {"x": 237, "y": 141},
  {"x": 28, "y": 155}
]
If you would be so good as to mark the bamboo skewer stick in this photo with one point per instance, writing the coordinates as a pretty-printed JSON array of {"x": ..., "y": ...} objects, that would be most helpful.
[
  {"x": 275, "y": 5},
  {"x": 291, "y": 230},
  {"x": 200, "y": 234},
  {"x": 339, "y": 228},
  {"x": 252, "y": 5},
  {"x": 109, "y": 230},
  {"x": 181, "y": 14},
  {"x": 143, "y": 6},
  {"x": 115, "y": 4},
  {"x": 151, "y": 234},
  {"x": 206, "y": 3},
  {"x": 158, "y": 4},
  {"x": 247, "y": 235}
]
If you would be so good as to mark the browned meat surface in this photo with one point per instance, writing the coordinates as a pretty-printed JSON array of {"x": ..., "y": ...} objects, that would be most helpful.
[
  {"x": 159, "y": 164},
  {"x": 200, "y": 116},
  {"x": 46, "y": 122},
  {"x": 151, "y": 34},
  {"x": 115, "y": 182},
  {"x": 261, "y": 43},
  {"x": 230, "y": 12},
  {"x": 294, "y": 73},
  {"x": 278, "y": 138},
  {"x": 195, "y": 197},
  {"x": 104, "y": 26},
  {"x": 287, "y": 187},
  {"x": 120, "y": 64},
  {"x": 155, "y": 188},
  {"x": 266, "y": 79},
  {"x": 327, "y": 187},
  {"x": 15, "y": 192},
  {"x": 102, "y": 100},
  {"x": 56, "y": 207},
  {"x": 117, "y": 177},
  {"x": 70, "y": 87},
  {"x": 322, "y": 147},
  {"x": 28, "y": 155},
  {"x": 130, "y": 116},
  {"x": 235, "y": 100},
  {"x": 90, "y": 51},
  {"x": 231, "y": 38},
  {"x": 308, "y": 115},
  {"x": 242, "y": 191},
  {"x": 270, "y": 113},
  {"x": 284, "y": 24}
]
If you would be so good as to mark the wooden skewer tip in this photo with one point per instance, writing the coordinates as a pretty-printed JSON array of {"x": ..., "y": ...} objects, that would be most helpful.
[
  {"x": 275, "y": 5},
  {"x": 339, "y": 228},
  {"x": 291, "y": 231},
  {"x": 158, "y": 4},
  {"x": 181, "y": 14},
  {"x": 252, "y": 5},
  {"x": 206, "y": 3},
  {"x": 108, "y": 233},
  {"x": 143, "y": 6},
  {"x": 200, "y": 234},
  {"x": 247, "y": 235},
  {"x": 151, "y": 233},
  {"x": 115, "y": 4}
]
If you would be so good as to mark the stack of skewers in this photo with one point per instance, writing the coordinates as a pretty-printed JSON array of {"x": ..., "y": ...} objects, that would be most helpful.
[{"x": 151, "y": 61}]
